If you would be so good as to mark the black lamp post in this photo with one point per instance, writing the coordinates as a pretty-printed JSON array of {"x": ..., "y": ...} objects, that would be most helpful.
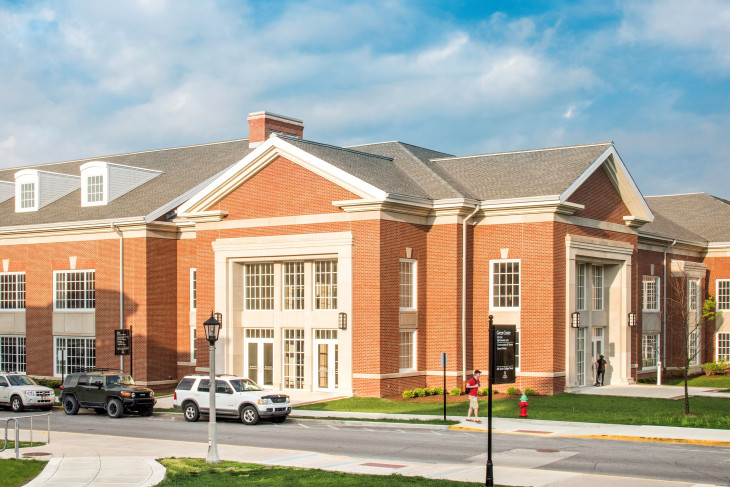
[{"x": 212, "y": 328}]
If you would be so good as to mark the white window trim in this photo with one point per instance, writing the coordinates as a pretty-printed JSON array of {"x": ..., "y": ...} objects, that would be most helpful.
[
  {"x": 25, "y": 294},
  {"x": 73, "y": 310},
  {"x": 26, "y": 177},
  {"x": 56, "y": 370},
  {"x": 658, "y": 281},
  {"x": 414, "y": 346},
  {"x": 717, "y": 294},
  {"x": 193, "y": 348},
  {"x": 414, "y": 284},
  {"x": 193, "y": 288},
  {"x": 657, "y": 338},
  {"x": 596, "y": 288},
  {"x": 578, "y": 287},
  {"x": 717, "y": 344},
  {"x": 491, "y": 285},
  {"x": 94, "y": 168}
]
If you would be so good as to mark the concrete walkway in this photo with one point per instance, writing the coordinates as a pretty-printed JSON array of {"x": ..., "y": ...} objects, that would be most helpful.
[{"x": 95, "y": 460}]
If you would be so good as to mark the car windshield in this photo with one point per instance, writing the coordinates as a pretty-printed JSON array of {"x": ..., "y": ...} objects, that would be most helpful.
[
  {"x": 242, "y": 385},
  {"x": 119, "y": 380},
  {"x": 20, "y": 380}
]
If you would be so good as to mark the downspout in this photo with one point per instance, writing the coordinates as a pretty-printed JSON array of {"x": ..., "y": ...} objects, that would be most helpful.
[
  {"x": 121, "y": 286},
  {"x": 463, "y": 297},
  {"x": 664, "y": 319}
]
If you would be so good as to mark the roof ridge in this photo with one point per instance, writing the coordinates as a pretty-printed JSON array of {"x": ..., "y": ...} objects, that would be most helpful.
[
  {"x": 522, "y": 151},
  {"x": 677, "y": 194},
  {"x": 288, "y": 137},
  {"x": 124, "y": 154}
]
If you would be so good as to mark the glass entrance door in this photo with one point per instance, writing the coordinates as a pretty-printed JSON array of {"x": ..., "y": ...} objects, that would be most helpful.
[
  {"x": 326, "y": 360},
  {"x": 259, "y": 355},
  {"x": 597, "y": 347}
]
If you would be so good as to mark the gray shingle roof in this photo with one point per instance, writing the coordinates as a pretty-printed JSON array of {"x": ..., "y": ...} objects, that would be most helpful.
[
  {"x": 519, "y": 174},
  {"x": 698, "y": 217},
  {"x": 182, "y": 168}
]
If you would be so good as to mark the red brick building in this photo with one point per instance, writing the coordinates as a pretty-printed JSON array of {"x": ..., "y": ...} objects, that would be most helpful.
[{"x": 352, "y": 269}]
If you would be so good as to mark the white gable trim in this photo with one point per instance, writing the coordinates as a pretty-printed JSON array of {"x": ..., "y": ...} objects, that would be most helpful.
[
  {"x": 261, "y": 157},
  {"x": 624, "y": 183}
]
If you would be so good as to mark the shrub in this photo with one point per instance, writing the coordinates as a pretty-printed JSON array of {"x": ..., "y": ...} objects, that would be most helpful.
[
  {"x": 53, "y": 383},
  {"x": 437, "y": 391},
  {"x": 484, "y": 392},
  {"x": 716, "y": 368},
  {"x": 512, "y": 391},
  {"x": 530, "y": 392},
  {"x": 427, "y": 392},
  {"x": 419, "y": 392},
  {"x": 408, "y": 395},
  {"x": 455, "y": 392}
]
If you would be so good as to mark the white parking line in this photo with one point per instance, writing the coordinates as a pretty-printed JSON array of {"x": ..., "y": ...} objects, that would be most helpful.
[
  {"x": 303, "y": 426},
  {"x": 329, "y": 425}
]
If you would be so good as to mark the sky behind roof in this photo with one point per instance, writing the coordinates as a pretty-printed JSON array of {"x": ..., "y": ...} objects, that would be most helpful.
[{"x": 82, "y": 79}]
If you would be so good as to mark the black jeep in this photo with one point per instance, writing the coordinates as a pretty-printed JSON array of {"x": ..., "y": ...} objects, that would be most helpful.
[{"x": 105, "y": 391}]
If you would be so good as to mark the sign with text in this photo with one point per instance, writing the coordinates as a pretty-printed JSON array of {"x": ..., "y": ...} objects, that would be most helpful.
[
  {"x": 504, "y": 353},
  {"x": 122, "y": 342}
]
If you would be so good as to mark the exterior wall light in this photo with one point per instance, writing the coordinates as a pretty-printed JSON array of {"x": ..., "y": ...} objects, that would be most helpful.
[
  {"x": 575, "y": 319},
  {"x": 632, "y": 320},
  {"x": 342, "y": 321}
]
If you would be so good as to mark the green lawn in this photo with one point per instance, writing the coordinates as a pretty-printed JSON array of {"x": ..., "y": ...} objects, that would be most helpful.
[
  {"x": 19, "y": 472},
  {"x": 707, "y": 412},
  {"x": 183, "y": 472},
  {"x": 721, "y": 382}
]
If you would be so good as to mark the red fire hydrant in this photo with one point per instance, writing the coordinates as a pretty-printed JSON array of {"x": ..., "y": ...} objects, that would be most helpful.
[{"x": 523, "y": 406}]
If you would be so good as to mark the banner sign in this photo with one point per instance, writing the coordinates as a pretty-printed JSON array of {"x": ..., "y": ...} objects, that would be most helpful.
[
  {"x": 504, "y": 354},
  {"x": 122, "y": 342}
]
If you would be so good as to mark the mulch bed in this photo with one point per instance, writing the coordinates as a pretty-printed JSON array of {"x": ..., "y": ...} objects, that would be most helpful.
[{"x": 462, "y": 398}]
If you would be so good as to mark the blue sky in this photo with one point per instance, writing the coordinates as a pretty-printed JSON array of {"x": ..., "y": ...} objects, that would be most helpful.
[{"x": 81, "y": 79}]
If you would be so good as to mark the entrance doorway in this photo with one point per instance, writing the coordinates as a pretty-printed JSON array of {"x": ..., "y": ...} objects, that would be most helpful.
[
  {"x": 598, "y": 346},
  {"x": 259, "y": 355},
  {"x": 326, "y": 358}
]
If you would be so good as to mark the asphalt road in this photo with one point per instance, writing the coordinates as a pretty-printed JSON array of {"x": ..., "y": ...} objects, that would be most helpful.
[{"x": 662, "y": 461}]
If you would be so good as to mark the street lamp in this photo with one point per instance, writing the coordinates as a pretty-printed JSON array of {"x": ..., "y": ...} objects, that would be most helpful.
[{"x": 212, "y": 328}]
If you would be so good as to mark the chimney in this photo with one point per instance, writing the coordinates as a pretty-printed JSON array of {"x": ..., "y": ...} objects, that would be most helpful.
[{"x": 262, "y": 124}]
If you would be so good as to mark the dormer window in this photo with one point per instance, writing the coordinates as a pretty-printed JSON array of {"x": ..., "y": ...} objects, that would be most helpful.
[
  {"x": 27, "y": 196},
  {"x": 102, "y": 182},
  {"x": 94, "y": 189}
]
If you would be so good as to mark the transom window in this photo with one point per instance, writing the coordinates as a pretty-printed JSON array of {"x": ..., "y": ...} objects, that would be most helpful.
[
  {"x": 259, "y": 333},
  {"x": 27, "y": 195},
  {"x": 723, "y": 346},
  {"x": 79, "y": 354},
  {"x": 12, "y": 290},
  {"x": 74, "y": 290},
  {"x": 259, "y": 288},
  {"x": 294, "y": 285},
  {"x": 325, "y": 284},
  {"x": 580, "y": 287},
  {"x": 723, "y": 294},
  {"x": 95, "y": 189},
  {"x": 505, "y": 277},
  {"x": 407, "y": 350},
  {"x": 12, "y": 353},
  {"x": 597, "y": 287},
  {"x": 650, "y": 286},
  {"x": 407, "y": 284}
]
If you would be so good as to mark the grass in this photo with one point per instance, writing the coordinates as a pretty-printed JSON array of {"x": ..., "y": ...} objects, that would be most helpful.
[
  {"x": 384, "y": 420},
  {"x": 715, "y": 382},
  {"x": 19, "y": 472},
  {"x": 707, "y": 412},
  {"x": 183, "y": 472}
]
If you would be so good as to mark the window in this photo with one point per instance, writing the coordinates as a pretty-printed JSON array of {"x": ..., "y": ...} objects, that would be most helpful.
[
  {"x": 723, "y": 346},
  {"x": 649, "y": 344},
  {"x": 294, "y": 285},
  {"x": 95, "y": 189},
  {"x": 259, "y": 286},
  {"x": 505, "y": 284},
  {"x": 580, "y": 355},
  {"x": 407, "y": 350},
  {"x": 580, "y": 287},
  {"x": 723, "y": 294},
  {"x": 293, "y": 358},
  {"x": 12, "y": 290},
  {"x": 650, "y": 286},
  {"x": 193, "y": 289},
  {"x": 27, "y": 195},
  {"x": 693, "y": 298},
  {"x": 597, "y": 287},
  {"x": 325, "y": 284},
  {"x": 79, "y": 354},
  {"x": 407, "y": 284},
  {"x": 74, "y": 290},
  {"x": 12, "y": 353},
  {"x": 193, "y": 343},
  {"x": 693, "y": 346}
]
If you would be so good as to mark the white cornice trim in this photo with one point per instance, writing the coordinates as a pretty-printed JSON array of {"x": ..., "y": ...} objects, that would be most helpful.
[
  {"x": 623, "y": 182},
  {"x": 543, "y": 204},
  {"x": 68, "y": 228}
]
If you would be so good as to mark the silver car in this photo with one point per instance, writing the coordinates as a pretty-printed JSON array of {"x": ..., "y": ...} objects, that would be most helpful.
[{"x": 19, "y": 391}]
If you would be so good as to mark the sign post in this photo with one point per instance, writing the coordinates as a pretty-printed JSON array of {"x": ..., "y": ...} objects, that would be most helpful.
[
  {"x": 123, "y": 344},
  {"x": 443, "y": 364}
]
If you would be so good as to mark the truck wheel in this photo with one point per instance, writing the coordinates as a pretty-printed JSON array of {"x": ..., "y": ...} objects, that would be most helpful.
[
  {"x": 16, "y": 404},
  {"x": 191, "y": 412},
  {"x": 249, "y": 415},
  {"x": 278, "y": 419},
  {"x": 70, "y": 405},
  {"x": 114, "y": 408}
]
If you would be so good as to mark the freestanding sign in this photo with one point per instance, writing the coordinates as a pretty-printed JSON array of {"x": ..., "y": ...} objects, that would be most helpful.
[
  {"x": 504, "y": 354},
  {"x": 122, "y": 342}
]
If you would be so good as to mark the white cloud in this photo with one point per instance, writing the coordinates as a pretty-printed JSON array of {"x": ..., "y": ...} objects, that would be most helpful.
[{"x": 8, "y": 143}]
